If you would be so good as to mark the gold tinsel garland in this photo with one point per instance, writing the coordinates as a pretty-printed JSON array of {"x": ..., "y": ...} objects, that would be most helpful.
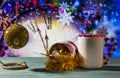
[
  {"x": 60, "y": 63},
  {"x": 78, "y": 61},
  {"x": 64, "y": 62}
]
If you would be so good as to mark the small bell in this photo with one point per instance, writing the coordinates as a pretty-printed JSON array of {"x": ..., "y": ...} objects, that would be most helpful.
[{"x": 16, "y": 36}]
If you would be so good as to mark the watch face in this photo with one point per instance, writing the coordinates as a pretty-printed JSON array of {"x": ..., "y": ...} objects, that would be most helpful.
[{"x": 58, "y": 33}]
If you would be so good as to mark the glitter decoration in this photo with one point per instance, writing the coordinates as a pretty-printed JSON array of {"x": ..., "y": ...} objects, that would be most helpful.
[
  {"x": 102, "y": 31},
  {"x": 65, "y": 18}
]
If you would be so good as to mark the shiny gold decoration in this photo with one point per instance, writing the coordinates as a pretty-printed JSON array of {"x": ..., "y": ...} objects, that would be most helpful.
[
  {"x": 60, "y": 63},
  {"x": 60, "y": 48},
  {"x": 16, "y": 36},
  {"x": 15, "y": 66},
  {"x": 60, "y": 58},
  {"x": 79, "y": 62}
]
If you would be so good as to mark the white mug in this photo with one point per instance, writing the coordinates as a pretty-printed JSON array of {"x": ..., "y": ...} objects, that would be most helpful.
[{"x": 91, "y": 49}]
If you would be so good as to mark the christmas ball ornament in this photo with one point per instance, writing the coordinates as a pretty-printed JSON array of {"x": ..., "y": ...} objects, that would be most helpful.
[
  {"x": 16, "y": 36},
  {"x": 5, "y": 47},
  {"x": 2, "y": 53},
  {"x": 64, "y": 48},
  {"x": 61, "y": 48}
]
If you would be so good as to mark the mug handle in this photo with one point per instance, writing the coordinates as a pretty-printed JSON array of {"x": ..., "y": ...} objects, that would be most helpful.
[{"x": 106, "y": 57}]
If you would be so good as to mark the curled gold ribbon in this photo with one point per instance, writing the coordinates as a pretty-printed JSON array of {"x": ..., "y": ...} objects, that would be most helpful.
[{"x": 15, "y": 66}]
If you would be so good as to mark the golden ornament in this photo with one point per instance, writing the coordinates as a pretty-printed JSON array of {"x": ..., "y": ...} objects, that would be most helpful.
[
  {"x": 60, "y": 63},
  {"x": 78, "y": 61},
  {"x": 60, "y": 48},
  {"x": 16, "y": 36}
]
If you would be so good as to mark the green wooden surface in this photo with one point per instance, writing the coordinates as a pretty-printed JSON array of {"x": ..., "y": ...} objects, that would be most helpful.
[{"x": 37, "y": 70}]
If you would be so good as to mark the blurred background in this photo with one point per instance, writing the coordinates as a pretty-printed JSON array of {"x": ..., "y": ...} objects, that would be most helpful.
[{"x": 59, "y": 21}]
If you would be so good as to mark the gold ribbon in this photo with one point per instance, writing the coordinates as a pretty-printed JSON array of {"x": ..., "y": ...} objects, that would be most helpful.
[{"x": 15, "y": 66}]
